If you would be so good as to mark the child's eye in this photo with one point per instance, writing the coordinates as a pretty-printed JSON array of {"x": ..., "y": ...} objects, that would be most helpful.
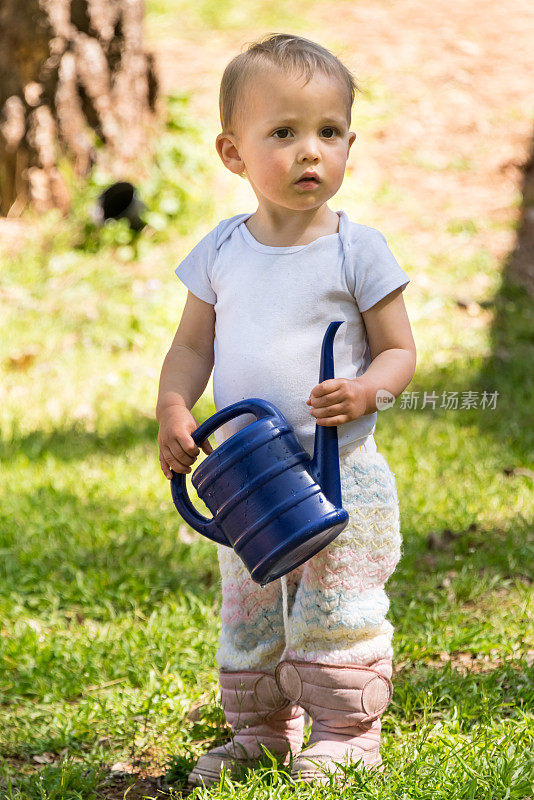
[
  {"x": 281, "y": 130},
  {"x": 285, "y": 133}
]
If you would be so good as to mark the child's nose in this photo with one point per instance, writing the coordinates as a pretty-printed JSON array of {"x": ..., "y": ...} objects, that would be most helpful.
[
  {"x": 309, "y": 155},
  {"x": 309, "y": 150}
]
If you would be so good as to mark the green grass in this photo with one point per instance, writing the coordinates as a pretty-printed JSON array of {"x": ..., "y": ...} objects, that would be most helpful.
[
  {"x": 109, "y": 607},
  {"x": 226, "y": 15}
]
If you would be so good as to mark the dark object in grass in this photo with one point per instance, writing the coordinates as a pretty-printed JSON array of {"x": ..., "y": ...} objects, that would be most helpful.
[
  {"x": 120, "y": 201},
  {"x": 436, "y": 541}
]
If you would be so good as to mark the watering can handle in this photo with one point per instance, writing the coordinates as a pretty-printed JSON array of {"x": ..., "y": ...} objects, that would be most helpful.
[{"x": 208, "y": 527}]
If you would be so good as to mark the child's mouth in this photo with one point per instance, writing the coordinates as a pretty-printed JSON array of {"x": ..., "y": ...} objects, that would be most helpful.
[{"x": 307, "y": 183}]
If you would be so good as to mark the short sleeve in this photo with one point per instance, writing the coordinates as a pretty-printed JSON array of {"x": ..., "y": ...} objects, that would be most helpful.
[
  {"x": 373, "y": 270},
  {"x": 195, "y": 270}
]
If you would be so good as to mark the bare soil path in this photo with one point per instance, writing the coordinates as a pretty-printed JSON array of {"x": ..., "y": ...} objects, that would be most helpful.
[{"x": 447, "y": 123}]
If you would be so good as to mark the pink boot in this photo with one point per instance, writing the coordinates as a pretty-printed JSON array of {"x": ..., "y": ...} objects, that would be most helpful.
[
  {"x": 345, "y": 703},
  {"x": 259, "y": 715}
]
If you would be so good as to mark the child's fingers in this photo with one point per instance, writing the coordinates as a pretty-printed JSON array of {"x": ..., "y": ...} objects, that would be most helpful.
[
  {"x": 173, "y": 462},
  {"x": 330, "y": 422},
  {"x": 319, "y": 398},
  {"x": 206, "y": 446},
  {"x": 327, "y": 387},
  {"x": 327, "y": 412},
  {"x": 330, "y": 401},
  {"x": 185, "y": 452},
  {"x": 165, "y": 467},
  {"x": 184, "y": 448}
]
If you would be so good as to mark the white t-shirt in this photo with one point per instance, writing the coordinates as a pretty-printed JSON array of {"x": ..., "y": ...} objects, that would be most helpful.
[{"x": 273, "y": 306}]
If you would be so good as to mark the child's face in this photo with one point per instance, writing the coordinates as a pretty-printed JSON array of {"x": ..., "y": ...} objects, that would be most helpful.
[{"x": 287, "y": 129}]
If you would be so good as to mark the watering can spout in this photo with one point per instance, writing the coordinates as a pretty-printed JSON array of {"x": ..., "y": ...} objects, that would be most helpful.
[{"x": 325, "y": 463}]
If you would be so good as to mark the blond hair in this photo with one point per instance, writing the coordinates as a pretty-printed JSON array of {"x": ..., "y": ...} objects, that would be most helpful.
[{"x": 293, "y": 54}]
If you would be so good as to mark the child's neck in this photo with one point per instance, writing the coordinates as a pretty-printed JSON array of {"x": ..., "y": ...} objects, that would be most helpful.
[{"x": 286, "y": 228}]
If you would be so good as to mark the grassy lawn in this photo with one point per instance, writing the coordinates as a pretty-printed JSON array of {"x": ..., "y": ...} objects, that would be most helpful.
[{"x": 109, "y": 603}]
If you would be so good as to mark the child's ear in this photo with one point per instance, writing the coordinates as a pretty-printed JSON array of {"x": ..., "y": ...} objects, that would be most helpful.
[
  {"x": 227, "y": 148},
  {"x": 352, "y": 139}
]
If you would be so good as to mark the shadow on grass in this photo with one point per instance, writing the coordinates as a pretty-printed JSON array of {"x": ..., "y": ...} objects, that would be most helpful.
[
  {"x": 509, "y": 368},
  {"x": 488, "y": 552},
  {"x": 74, "y": 442},
  {"x": 98, "y": 553},
  {"x": 474, "y": 695},
  {"x": 67, "y": 778}
]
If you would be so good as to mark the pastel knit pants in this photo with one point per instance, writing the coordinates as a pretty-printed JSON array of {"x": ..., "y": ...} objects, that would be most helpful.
[{"x": 337, "y": 603}]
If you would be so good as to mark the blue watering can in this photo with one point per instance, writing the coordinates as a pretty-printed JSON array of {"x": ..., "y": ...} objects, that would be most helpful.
[{"x": 270, "y": 501}]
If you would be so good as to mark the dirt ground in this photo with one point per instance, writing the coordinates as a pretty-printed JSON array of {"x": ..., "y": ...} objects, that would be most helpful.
[
  {"x": 458, "y": 106},
  {"x": 452, "y": 90}
]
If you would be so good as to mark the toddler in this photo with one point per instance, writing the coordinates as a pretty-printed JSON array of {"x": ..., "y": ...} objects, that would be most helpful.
[{"x": 263, "y": 288}]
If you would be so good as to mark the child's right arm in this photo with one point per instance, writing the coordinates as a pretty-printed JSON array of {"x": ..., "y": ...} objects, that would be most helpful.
[{"x": 184, "y": 376}]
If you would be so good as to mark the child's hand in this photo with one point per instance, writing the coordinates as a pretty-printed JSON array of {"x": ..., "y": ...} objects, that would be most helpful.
[
  {"x": 177, "y": 450},
  {"x": 337, "y": 401}
]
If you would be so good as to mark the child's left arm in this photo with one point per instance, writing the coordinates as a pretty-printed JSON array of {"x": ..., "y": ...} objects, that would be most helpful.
[{"x": 392, "y": 348}]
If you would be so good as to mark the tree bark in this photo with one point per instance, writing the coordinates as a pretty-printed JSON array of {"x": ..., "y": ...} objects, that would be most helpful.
[{"x": 69, "y": 69}]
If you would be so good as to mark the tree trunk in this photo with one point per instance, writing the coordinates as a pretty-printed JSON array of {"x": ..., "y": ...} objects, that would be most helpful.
[{"x": 69, "y": 69}]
